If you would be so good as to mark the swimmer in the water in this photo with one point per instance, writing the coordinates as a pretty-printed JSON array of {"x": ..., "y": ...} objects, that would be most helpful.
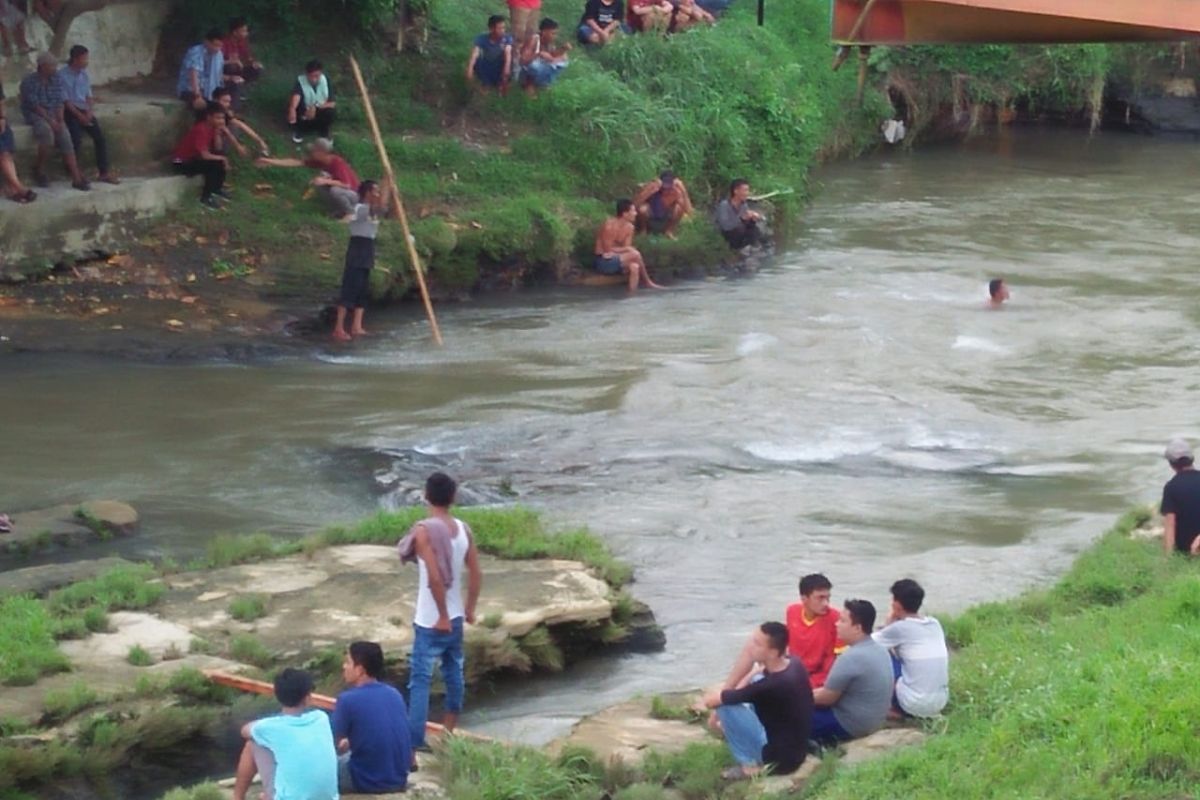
[{"x": 998, "y": 292}]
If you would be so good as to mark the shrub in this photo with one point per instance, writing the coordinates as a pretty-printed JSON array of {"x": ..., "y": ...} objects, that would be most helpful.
[
  {"x": 139, "y": 656},
  {"x": 248, "y": 607},
  {"x": 27, "y": 648}
]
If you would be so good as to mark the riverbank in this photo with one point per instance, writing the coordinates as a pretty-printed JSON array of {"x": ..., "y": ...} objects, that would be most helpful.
[
  {"x": 1082, "y": 689},
  {"x": 126, "y": 646}
]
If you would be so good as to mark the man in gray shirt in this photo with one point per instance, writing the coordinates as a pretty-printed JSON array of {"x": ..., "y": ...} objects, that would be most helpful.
[
  {"x": 738, "y": 223},
  {"x": 856, "y": 696}
]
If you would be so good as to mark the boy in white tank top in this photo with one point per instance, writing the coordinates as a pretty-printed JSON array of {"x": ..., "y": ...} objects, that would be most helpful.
[{"x": 444, "y": 550}]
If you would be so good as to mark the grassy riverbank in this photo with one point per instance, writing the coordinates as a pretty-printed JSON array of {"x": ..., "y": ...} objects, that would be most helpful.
[{"x": 506, "y": 190}]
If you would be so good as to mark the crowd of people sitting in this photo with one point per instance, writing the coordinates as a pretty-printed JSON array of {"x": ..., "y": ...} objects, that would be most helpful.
[{"x": 825, "y": 676}]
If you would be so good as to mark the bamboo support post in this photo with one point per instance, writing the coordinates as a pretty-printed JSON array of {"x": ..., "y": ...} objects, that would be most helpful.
[{"x": 395, "y": 203}]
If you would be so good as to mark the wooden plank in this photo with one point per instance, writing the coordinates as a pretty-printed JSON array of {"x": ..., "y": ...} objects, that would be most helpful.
[{"x": 323, "y": 701}]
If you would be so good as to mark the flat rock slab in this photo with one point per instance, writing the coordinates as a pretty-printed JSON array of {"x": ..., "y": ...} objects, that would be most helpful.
[
  {"x": 69, "y": 524},
  {"x": 43, "y": 579},
  {"x": 627, "y": 731},
  {"x": 363, "y": 592}
]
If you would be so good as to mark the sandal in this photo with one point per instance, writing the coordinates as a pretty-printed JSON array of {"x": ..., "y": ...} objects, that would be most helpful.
[
  {"x": 27, "y": 196},
  {"x": 734, "y": 774}
]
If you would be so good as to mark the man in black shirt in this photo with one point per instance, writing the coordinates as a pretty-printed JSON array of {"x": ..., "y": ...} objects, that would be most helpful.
[
  {"x": 766, "y": 722},
  {"x": 1181, "y": 501}
]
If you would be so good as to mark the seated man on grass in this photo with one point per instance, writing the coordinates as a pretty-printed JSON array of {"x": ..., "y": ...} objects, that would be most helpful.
[
  {"x": 292, "y": 752},
  {"x": 662, "y": 204},
  {"x": 490, "y": 63},
  {"x": 199, "y": 153},
  {"x": 614, "y": 253},
  {"x": 311, "y": 107},
  {"x": 240, "y": 66},
  {"x": 688, "y": 14},
  {"x": 16, "y": 191},
  {"x": 335, "y": 181},
  {"x": 602, "y": 20},
  {"x": 202, "y": 71},
  {"x": 543, "y": 58},
  {"x": 855, "y": 699},
  {"x": 766, "y": 723},
  {"x": 920, "y": 661},
  {"x": 650, "y": 15},
  {"x": 370, "y": 725},
  {"x": 235, "y": 124},
  {"x": 739, "y": 224}
]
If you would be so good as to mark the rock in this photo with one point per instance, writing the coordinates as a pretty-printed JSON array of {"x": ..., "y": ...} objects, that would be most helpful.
[
  {"x": 881, "y": 743},
  {"x": 69, "y": 524},
  {"x": 626, "y": 731},
  {"x": 41, "y": 580},
  {"x": 363, "y": 592}
]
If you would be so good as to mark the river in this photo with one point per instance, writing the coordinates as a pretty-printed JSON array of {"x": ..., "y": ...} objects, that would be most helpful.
[{"x": 852, "y": 409}]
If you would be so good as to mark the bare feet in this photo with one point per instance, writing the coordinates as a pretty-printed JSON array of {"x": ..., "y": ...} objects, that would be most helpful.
[
  {"x": 340, "y": 335},
  {"x": 359, "y": 332}
]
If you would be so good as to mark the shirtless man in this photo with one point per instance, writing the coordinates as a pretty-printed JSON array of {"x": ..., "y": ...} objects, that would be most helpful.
[
  {"x": 661, "y": 204},
  {"x": 997, "y": 292},
  {"x": 614, "y": 251}
]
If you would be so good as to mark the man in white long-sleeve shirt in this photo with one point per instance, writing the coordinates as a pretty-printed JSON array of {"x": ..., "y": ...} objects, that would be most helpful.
[{"x": 919, "y": 656}]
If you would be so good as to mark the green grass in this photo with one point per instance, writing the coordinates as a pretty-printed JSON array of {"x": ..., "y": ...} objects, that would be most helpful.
[
  {"x": 139, "y": 656},
  {"x": 513, "y": 532},
  {"x": 490, "y": 771},
  {"x": 27, "y": 646},
  {"x": 60, "y": 704},
  {"x": 1082, "y": 690},
  {"x": 248, "y": 607},
  {"x": 121, "y": 588},
  {"x": 248, "y": 649},
  {"x": 227, "y": 550}
]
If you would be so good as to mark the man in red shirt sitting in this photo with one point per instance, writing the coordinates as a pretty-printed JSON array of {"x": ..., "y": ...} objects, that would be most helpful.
[
  {"x": 812, "y": 634},
  {"x": 198, "y": 153}
]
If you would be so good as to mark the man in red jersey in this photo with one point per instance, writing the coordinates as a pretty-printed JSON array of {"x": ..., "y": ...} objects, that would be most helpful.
[{"x": 812, "y": 634}]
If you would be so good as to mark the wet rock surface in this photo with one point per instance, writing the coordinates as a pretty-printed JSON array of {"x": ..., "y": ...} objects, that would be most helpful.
[{"x": 69, "y": 524}]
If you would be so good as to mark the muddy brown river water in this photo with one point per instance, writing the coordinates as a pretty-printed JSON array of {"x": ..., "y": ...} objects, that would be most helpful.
[{"x": 851, "y": 409}]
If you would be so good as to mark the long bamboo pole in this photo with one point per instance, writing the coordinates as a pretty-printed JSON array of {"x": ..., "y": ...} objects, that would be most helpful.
[
  {"x": 396, "y": 204},
  {"x": 244, "y": 684}
]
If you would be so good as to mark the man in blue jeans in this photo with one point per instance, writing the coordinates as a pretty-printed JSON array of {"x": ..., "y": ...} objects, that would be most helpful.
[
  {"x": 766, "y": 721},
  {"x": 443, "y": 549}
]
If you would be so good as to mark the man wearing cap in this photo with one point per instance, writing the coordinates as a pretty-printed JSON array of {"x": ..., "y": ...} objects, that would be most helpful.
[
  {"x": 336, "y": 180},
  {"x": 42, "y": 101},
  {"x": 661, "y": 204},
  {"x": 1181, "y": 501}
]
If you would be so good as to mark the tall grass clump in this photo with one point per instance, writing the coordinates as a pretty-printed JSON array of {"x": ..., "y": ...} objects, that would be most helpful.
[
  {"x": 493, "y": 771},
  {"x": 27, "y": 646}
]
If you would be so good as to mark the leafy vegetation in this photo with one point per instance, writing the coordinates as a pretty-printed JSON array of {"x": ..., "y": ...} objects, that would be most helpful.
[
  {"x": 139, "y": 656},
  {"x": 27, "y": 646},
  {"x": 248, "y": 607},
  {"x": 59, "y": 704}
]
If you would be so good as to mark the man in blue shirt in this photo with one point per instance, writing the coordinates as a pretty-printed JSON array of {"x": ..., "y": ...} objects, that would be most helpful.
[
  {"x": 202, "y": 71},
  {"x": 292, "y": 752},
  {"x": 490, "y": 64},
  {"x": 42, "y": 100},
  {"x": 370, "y": 725},
  {"x": 79, "y": 110}
]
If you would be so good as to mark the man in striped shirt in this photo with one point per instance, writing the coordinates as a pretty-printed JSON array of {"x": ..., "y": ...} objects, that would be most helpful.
[{"x": 42, "y": 100}]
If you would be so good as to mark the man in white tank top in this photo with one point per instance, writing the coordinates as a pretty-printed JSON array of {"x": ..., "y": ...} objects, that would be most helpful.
[{"x": 444, "y": 550}]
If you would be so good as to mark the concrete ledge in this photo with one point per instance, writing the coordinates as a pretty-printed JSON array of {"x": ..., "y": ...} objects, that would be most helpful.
[
  {"x": 140, "y": 130},
  {"x": 66, "y": 223}
]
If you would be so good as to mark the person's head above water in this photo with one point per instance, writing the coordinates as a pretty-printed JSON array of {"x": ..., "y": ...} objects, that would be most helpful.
[{"x": 997, "y": 291}]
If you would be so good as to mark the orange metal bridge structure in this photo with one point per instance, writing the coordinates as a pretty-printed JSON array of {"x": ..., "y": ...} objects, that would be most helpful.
[{"x": 901, "y": 22}]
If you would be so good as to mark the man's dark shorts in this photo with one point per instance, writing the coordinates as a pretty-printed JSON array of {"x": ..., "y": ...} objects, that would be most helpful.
[
  {"x": 607, "y": 265},
  {"x": 7, "y": 141}
]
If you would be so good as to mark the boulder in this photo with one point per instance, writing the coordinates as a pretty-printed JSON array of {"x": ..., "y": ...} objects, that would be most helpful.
[
  {"x": 626, "y": 731},
  {"x": 42, "y": 580},
  {"x": 69, "y": 524}
]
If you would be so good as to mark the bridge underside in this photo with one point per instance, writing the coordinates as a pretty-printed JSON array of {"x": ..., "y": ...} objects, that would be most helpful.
[{"x": 900, "y": 22}]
